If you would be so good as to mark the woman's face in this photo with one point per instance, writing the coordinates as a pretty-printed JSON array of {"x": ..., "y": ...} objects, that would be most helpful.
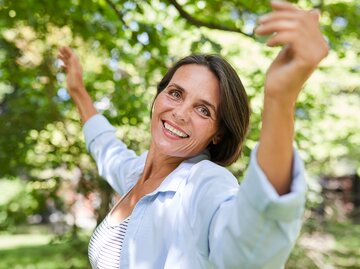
[{"x": 185, "y": 114}]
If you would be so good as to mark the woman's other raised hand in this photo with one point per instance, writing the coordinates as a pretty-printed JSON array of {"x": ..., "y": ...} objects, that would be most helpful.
[
  {"x": 73, "y": 69},
  {"x": 304, "y": 46},
  {"x": 75, "y": 84}
]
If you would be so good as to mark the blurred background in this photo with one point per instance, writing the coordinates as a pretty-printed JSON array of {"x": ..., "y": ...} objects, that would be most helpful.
[{"x": 50, "y": 195}]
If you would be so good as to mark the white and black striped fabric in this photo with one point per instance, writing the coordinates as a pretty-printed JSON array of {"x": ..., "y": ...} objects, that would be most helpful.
[{"x": 106, "y": 244}]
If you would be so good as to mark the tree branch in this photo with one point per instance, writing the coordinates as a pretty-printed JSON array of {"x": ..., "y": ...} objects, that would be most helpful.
[
  {"x": 190, "y": 19},
  {"x": 118, "y": 12}
]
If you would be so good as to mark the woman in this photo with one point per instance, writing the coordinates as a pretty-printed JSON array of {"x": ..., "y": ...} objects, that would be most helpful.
[{"x": 180, "y": 208}]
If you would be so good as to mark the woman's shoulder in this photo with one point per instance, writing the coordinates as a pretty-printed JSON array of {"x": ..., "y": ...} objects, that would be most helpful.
[
  {"x": 207, "y": 186},
  {"x": 208, "y": 172}
]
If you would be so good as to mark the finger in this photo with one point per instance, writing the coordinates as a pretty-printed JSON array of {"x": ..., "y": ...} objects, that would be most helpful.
[
  {"x": 275, "y": 27},
  {"x": 278, "y": 15},
  {"x": 61, "y": 64},
  {"x": 283, "y": 5},
  {"x": 63, "y": 58},
  {"x": 62, "y": 50},
  {"x": 279, "y": 39},
  {"x": 66, "y": 51}
]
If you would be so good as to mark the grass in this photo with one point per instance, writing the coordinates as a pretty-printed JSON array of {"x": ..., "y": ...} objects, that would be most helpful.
[
  {"x": 21, "y": 240},
  {"x": 43, "y": 251},
  {"x": 50, "y": 256}
]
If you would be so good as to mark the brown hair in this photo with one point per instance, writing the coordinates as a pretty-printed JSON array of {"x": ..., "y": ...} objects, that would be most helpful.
[{"x": 234, "y": 109}]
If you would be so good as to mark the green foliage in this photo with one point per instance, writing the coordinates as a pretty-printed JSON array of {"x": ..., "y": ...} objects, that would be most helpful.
[
  {"x": 25, "y": 199},
  {"x": 330, "y": 245}
]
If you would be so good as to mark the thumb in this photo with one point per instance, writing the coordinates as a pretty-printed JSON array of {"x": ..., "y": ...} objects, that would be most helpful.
[{"x": 315, "y": 14}]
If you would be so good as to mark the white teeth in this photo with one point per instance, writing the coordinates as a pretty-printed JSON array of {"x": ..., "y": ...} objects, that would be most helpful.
[{"x": 174, "y": 131}]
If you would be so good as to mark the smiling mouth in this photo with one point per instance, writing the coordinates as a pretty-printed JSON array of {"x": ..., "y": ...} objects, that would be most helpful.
[{"x": 174, "y": 131}]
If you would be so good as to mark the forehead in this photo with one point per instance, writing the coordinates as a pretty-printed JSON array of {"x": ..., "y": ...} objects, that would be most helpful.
[{"x": 198, "y": 80}]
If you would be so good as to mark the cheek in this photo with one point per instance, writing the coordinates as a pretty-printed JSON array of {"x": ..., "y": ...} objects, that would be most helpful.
[
  {"x": 161, "y": 103},
  {"x": 207, "y": 127},
  {"x": 205, "y": 131}
]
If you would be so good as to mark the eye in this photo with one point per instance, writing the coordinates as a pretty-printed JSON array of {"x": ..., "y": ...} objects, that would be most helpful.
[
  {"x": 204, "y": 111},
  {"x": 176, "y": 94}
]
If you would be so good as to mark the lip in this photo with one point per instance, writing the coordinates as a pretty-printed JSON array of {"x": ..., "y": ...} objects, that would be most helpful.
[{"x": 174, "y": 126}]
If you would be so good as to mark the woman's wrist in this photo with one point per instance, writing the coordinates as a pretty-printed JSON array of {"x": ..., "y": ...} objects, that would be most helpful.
[
  {"x": 280, "y": 102},
  {"x": 84, "y": 103},
  {"x": 77, "y": 91}
]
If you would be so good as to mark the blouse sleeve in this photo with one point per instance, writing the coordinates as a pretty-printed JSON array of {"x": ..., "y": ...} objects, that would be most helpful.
[
  {"x": 115, "y": 162},
  {"x": 257, "y": 228}
]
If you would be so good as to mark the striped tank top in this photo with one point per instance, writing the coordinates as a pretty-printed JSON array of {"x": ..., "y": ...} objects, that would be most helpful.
[{"x": 106, "y": 244}]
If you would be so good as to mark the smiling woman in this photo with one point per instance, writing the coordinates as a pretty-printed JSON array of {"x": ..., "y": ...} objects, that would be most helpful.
[{"x": 180, "y": 207}]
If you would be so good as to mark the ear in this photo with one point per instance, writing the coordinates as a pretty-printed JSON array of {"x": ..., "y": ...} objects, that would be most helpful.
[{"x": 216, "y": 139}]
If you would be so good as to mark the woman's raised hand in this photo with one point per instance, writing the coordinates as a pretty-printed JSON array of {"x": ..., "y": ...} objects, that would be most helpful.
[
  {"x": 303, "y": 44},
  {"x": 75, "y": 84},
  {"x": 73, "y": 69}
]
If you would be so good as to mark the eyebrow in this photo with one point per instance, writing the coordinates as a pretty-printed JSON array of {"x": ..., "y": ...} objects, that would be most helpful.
[{"x": 201, "y": 100}]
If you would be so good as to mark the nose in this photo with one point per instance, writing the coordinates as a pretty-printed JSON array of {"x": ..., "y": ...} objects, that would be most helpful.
[{"x": 182, "y": 113}]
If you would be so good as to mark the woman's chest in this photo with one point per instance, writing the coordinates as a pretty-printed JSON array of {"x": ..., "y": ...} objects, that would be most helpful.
[{"x": 160, "y": 233}]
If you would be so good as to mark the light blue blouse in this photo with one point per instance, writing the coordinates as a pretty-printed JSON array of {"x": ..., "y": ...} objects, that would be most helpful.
[{"x": 199, "y": 217}]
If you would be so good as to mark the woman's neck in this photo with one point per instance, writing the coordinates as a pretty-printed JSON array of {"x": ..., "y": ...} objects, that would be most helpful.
[{"x": 158, "y": 166}]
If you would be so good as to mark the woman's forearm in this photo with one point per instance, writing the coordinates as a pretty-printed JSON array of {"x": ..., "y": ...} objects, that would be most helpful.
[
  {"x": 275, "y": 150},
  {"x": 84, "y": 104}
]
